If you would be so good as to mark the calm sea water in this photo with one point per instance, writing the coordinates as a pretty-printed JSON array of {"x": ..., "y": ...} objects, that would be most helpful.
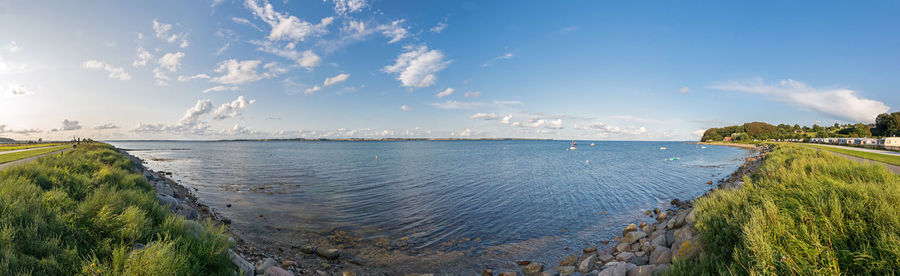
[{"x": 439, "y": 205}]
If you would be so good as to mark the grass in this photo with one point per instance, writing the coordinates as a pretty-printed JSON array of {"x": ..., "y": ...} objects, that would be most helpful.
[
  {"x": 885, "y": 158},
  {"x": 806, "y": 212},
  {"x": 9, "y": 157},
  {"x": 10, "y": 147},
  {"x": 84, "y": 212}
]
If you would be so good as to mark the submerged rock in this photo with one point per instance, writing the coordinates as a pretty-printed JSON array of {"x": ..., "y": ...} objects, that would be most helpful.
[
  {"x": 330, "y": 254},
  {"x": 533, "y": 268},
  {"x": 589, "y": 250},
  {"x": 569, "y": 260},
  {"x": 587, "y": 263},
  {"x": 264, "y": 265},
  {"x": 566, "y": 270},
  {"x": 629, "y": 228},
  {"x": 308, "y": 249}
]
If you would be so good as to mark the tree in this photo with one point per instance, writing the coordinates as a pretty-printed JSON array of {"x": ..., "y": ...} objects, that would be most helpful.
[
  {"x": 759, "y": 130},
  {"x": 888, "y": 124}
]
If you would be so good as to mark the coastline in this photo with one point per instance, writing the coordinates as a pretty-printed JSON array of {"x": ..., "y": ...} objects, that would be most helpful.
[
  {"x": 734, "y": 145},
  {"x": 304, "y": 259}
]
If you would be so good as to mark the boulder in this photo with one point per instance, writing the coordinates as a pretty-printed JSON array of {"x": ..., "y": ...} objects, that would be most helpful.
[
  {"x": 264, "y": 265},
  {"x": 508, "y": 273},
  {"x": 624, "y": 256},
  {"x": 623, "y": 268},
  {"x": 348, "y": 273},
  {"x": 660, "y": 268},
  {"x": 659, "y": 241},
  {"x": 167, "y": 200},
  {"x": 687, "y": 249},
  {"x": 589, "y": 250},
  {"x": 566, "y": 269},
  {"x": 670, "y": 238},
  {"x": 288, "y": 263},
  {"x": 679, "y": 219},
  {"x": 244, "y": 267},
  {"x": 587, "y": 264},
  {"x": 661, "y": 255},
  {"x": 639, "y": 260},
  {"x": 629, "y": 228},
  {"x": 277, "y": 271},
  {"x": 533, "y": 268},
  {"x": 608, "y": 265},
  {"x": 661, "y": 217},
  {"x": 487, "y": 272},
  {"x": 308, "y": 249},
  {"x": 633, "y": 236},
  {"x": 682, "y": 235},
  {"x": 644, "y": 270},
  {"x": 622, "y": 247},
  {"x": 648, "y": 229},
  {"x": 549, "y": 273},
  {"x": 330, "y": 254},
  {"x": 689, "y": 218},
  {"x": 188, "y": 211},
  {"x": 570, "y": 260},
  {"x": 606, "y": 257}
]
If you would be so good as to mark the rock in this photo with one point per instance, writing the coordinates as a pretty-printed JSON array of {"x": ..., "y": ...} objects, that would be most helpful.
[
  {"x": 228, "y": 205},
  {"x": 569, "y": 260},
  {"x": 487, "y": 272},
  {"x": 644, "y": 270},
  {"x": 656, "y": 211},
  {"x": 587, "y": 263},
  {"x": 593, "y": 273},
  {"x": 264, "y": 265},
  {"x": 167, "y": 200},
  {"x": 643, "y": 223},
  {"x": 634, "y": 236},
  {"x": 244, "y": 267},
  {"x": 689, "y": 218},
  {"x": 308, "y": 249},
  {"x": 660, "y": 268},
  {"x": 661, "y": 255},
  {"x": 188, "y": 211},
  {"x": 670, "y": 238},
  {"x": 507, "y": 273},
  {"x": 608, "y": 265},
  {"x": 656, "y": 234},
  {"x": 348, "y": 273},
  {"x": 647, "y": 212},
  {"x": 662, "y": 216},
  {"x": 277, "y": 271},
  {"x": 629, "y": 228},
  {"x": 687, "y": 249},
  {"x": 606, "y": 257},
  {"x": 639, "y": 260},
  {"x": 137, "y": 246},
  {"x": 549, "y": 273},
  {"x": 635, "y": 247},
  {"x": 566, "y": 269},
  {"x": 589, "y": 250},
  {"x": 660, "y": 227},
  {"x": 682, "y": 235},
  {"x": 330, "y": 254},
  {"x": 647, "y": 229},
  {"x": 533, "y": 268},
  {"x": 659, "y": 241},
  {"x": 622, "y": 247},
  {"x": 639, "y": 254},
  {"x": 288, "y": 263},
  {"x": 523, "y": 262},
  {"x": 624, "y": 256},
  {"x": 670, "y": 224},
  {"x": 622, "y": 268},
  {"x": 679, "y": 219}
]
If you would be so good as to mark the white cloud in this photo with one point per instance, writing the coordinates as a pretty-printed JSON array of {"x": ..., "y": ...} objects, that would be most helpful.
[
  {"x": 417, "y": 66},
  {"x": 473, "y": 95},
  {"x": 685, "y": 90},
  {"x": 444, "y": 93},
  {"x": 307, "y": 59},
  {"x": 192, "y": 115},
  {"x": 232, "y": 109},
  {"x": 163, "y": 30},
  {"x": 605, "y": 129},
  {"x": 344, "y": 7},
  {"x": 244, "y": 21},
  {"x": 197, "y": 76},
  {"x": 25, "y": 132},
  {"x": 237, "y": 130},
  {"x": 220, "y": 88},
  {"x": 466, "y": 133},
  {"x": 143, "y": 56},
  {"x": 405, "y": 108},
  {"x": 698, "y": 133},
  {"x": 114, "y": 72},
  {"x": 336, "y": 79},
  {"x": 839, "y": 103},
  {"x": 484, "y": 116},
  {"x": 439, "y": 27},
  {"x": 311, "y": 90},
  {"x": 68, "y": 125},
  {"x": 239, "y": 72},
  {"x": 540, "y": 123},
  {"x": 171, "y": 61},
  {"x": 451, "y": 104},
  {"x": 505, "y": 119},
  {"x": 223, "y": 48},
  {"x": 395, "y": 31},
  {"x": 215, "y": 3},
  {"x": 285, "y": 26},
  {"x": 106, "y": 126},
  {"x": 12, "y": 47},
  {"x": 496, "y": 59},
  {"x": 18, "y": 90}
]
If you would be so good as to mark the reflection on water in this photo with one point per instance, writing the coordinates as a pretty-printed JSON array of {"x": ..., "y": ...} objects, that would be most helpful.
[{"x": 448, "y": 205}]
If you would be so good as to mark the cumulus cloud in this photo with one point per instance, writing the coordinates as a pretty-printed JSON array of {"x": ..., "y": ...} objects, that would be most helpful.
[
  {"x": 197, "y": 76},
  {"x": 306, "y": 59},
  {"x": 285, "y": 26},
  {"x": 106, "y": 126},
  {"x": 164, "y": 31},
  {"x": 395, "y": 31},
  {"x": 473, "y": 95},
  {"x": 605, "y": 129},
  {"x": 451, "y": 104},
  {"x": 232, "y": 109},
  {"x": 68, "y": 125},
  {"x": 114, "y": 72},
  {"x": 484, "y": 116},
  {"x": 240, "y": 72},
  {"x": 496, "y": 59},
  {"x": 12, "y": 47},
  {"x": 506, "y": 119},
  {"x": 405, "y": 108},
  {"x": 18, "y": 90},
  {"x": 439, "y": 27},
  {"x": 143, "y": 56},
  {"x": 466, "y": 133},
  {"x": 444, "y": 93},
  {"x": 839, "y": 103},
  {"x": 168, "y": 63},
  {"x": 26, "y": 132},
  {"x": 328, "y": 82},
  {"x": 220, "y": 88},
  {"x": 344, "y": 7},
  {"x": 685, "y": 90},
  {"x": 540, "y": 123},
  {"x": 417, "y": 66}
]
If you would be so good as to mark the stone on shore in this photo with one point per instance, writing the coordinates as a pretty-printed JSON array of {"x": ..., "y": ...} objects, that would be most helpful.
[
  {"x": 624, "y": 256},
  {"x": 639, "y": 260},
  {"x": 308, "y": 249},
  {"x": 687, "y": 249},
  {"x": 689, "y": 218},
  {"x": 606, "y": 257},
  {"x": 245, "y": 268},
  {"x": 629, "y": 228},
  {"x": 634, "y": 236},
  {"x": 644, "y": 270},
  {"x": 533, "y": 268},
  {"x": 264, "y": 265},
  {"x": 622, "y": 247},
  {"x": 622, "y": 268},
  {"x": 508, "y": 273},
  {"x": 566, "y": 269},
  {"x": 682, "y": 235},
  {"x": 330, "y": 254},
  {"x": 288, "y": 263},
  {"x": 589, "y": 250},
  {"x": 670, "y": 238},
  {"x": 348, "y": 273},
  {"x": 659, "y": 241},
  {"x": 660, "y": 268},
  {"x": 661, "y": 255},
  {"x": 188, "y": 211},
  {"x": 587, "y": 263},
  {"x": 487, "y": 272},
  {"x": 662, "y": 216},
  {"x": 570, "y": 260},
  {"x": 167, "y": 200},
  {"x": 277, "y": 271}
]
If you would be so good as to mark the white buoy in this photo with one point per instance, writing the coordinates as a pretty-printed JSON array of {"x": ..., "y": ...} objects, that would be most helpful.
[{"x": 587, "y": 161}]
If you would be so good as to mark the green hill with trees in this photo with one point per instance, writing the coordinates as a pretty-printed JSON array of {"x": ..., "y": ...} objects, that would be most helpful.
[{"x": 886, "y": 125}]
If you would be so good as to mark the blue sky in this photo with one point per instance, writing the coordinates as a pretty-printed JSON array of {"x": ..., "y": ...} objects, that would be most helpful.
[{"x": 361, "y": 68}]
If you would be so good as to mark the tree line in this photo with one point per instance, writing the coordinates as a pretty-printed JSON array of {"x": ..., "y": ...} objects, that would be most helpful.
[{"x": 886, "y": 125}]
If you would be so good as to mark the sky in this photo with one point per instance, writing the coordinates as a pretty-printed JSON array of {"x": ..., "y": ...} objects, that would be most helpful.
[{"x": 594, "y": 70}]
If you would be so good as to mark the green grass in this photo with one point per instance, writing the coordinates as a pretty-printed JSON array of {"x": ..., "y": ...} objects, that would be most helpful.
[
  {"x": 9, "y": 157},
  {"x": 82, "y": 212},
  {"x": 25, "y": 146},
  {"x": 806, "y": 212},
  {"x": 890, "y": 159}
]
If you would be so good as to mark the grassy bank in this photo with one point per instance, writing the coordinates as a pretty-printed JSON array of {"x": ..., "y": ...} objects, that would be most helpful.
[
  {"x": 9, "y": 147},
  {"x": 85, "y": 212},
  {"x": 9, "y": 157},
  {"x": 806, "y": 212},
  {"x": 890, "y": 159}
]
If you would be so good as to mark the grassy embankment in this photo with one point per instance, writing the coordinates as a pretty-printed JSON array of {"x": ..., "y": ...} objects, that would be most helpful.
[
  {"x": 85, "y": 212},
  {"x": 806, "y": 212},
  {"x": 9, "y": 157},
  {"x": 890, "y": 159},
  {"x": 9, "y": 147}
]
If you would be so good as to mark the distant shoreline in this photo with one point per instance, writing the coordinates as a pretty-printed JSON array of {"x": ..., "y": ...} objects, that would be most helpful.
[
  {"x": 386, "y": 140},
  {"x": 735, "y": 145}
]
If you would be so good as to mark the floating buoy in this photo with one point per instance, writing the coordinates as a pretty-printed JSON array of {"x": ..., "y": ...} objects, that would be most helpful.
[{"x": 587, "y": 161}]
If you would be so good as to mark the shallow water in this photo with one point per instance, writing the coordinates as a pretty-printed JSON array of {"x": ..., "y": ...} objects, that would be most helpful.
[{"x": 441, "y": 206}]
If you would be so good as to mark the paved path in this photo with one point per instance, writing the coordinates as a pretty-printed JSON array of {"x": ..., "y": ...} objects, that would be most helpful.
[
  {"x": 890, "y": 167},
  {"x": 21, "y": 150},
  {"x": 886, "y": 152},
  {"x": 29, "y": 159}
]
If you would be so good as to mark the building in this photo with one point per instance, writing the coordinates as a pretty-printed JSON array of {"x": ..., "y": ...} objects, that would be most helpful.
[{"x": 891, "y": 143}]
